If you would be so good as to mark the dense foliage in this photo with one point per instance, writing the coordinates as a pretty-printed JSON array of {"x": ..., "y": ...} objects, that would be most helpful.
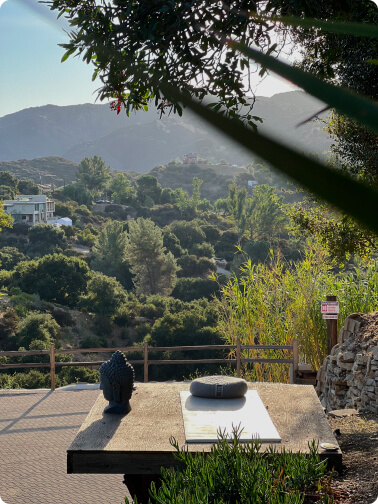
[{"x": 235, "y": 472}]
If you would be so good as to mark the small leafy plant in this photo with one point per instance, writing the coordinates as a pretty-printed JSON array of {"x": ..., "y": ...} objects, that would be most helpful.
[{"x": 239, "y": 473}]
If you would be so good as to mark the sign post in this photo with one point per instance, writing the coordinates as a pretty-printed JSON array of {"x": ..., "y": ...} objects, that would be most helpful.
[{"x": 330, "y": 309}]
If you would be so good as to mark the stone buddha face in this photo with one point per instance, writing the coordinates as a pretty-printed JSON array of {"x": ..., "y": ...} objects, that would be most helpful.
[{"x": 117, "y": 381}]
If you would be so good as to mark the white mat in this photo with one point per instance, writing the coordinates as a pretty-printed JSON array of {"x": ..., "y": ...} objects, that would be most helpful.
[{"x": 204, "y": 418}]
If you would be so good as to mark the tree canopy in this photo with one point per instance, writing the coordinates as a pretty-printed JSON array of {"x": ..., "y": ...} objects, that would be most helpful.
[
  {"x": 153, "y": 267},
  {"x": 93, "y": 174},
  {"x": 135, "y": 46}
]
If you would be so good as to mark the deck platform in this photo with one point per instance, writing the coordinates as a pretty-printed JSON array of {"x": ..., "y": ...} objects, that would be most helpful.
[{"x": 139, "y": 443}]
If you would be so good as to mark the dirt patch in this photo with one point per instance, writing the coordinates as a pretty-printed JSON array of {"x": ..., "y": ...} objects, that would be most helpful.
[
  {"x": 369, "y": 327},
  {"x": 358, "y": 440}
]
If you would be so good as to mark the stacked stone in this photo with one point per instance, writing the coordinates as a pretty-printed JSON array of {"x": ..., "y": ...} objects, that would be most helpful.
[{"x": 348, "y": 377}]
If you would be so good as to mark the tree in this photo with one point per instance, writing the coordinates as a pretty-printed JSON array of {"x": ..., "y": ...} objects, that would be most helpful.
[
  {"x": 78, "y": 193},
  {"x": 45, "y": 235},
  {"x": 340, "y": 234},
  {"x": 236, "y": 205},
  {"x": 37, "y": 327},
  {"x": 135, "y": 47},
  {"x": 189, "y": 233},
  {"x": 135, "y": 69},
  {"x": 7, "y": 193},
  {"x": 9, "y": 257},
  {"x": 109, "y": 252},
  {"x": 28, "y": 187},
  {"x": 55, "y": 278},
  {"x": 153, "y": 267},
  {"x": 265, "y": 217},
  {"x": 196, "y": 195},
  {"x": 348, "y": 59},
  {"x": 221, "y": 205},
  {"x": 147, "y": 186},
  {"x": 9, "y": 180},
  {"x": 93, "y": 174},
  {"x": 5, "y": 219},
  {"x": 104, "y": 295},
  {"x": 121, "y": 190}
]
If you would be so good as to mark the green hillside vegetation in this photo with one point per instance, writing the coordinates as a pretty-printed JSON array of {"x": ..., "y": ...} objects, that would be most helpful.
[
  {"x": 109, "y": 281},
  {"x": 49, "y": 170}
]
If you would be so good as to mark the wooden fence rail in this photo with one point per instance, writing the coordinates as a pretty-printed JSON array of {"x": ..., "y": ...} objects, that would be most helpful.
[{"x": 146, "y": 361}]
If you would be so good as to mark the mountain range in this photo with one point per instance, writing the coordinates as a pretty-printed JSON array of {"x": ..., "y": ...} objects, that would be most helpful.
[{"x": 144, "y": 140}]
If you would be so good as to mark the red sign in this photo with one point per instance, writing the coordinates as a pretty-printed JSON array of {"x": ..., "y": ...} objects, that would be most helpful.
[
  {"x": 330, "y": 307},
  {"x": 329, "y": 316}
]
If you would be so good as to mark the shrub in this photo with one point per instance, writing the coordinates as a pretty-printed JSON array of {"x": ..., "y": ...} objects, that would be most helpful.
[
  {"x": 22, "y": 303},
  {"x": 31, "y": 380},
  {"x": 191, "y": 266},
  {"x": 9, "y": 257},
  {"x": 203, "y": 250},
  {"x": 37, "y": 326},
  {"x": 5, "y": 278},
  {"x": 69, "y": 375},
  {"x": 93, "y": 342},
  {"x": 188, "y": 289},
  {"x": 237, "y": 472},
  {"x": 122, "y": 317},
  {"x": 8, "y": 323}
]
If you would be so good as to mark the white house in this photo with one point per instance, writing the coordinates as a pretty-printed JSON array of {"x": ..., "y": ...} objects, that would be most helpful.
[
  {"x": 30, "y": 209},
  {"x": 58, "y": 222}
]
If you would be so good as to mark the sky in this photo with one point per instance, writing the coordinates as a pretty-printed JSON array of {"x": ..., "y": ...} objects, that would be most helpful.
[{"x": 31, "y": 72}]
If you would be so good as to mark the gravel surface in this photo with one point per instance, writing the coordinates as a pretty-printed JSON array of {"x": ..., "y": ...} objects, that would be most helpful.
[{"x": 358, "y": 439}]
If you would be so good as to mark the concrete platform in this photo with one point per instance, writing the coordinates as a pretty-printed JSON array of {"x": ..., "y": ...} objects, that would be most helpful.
[{"x": 138, "y": 443}]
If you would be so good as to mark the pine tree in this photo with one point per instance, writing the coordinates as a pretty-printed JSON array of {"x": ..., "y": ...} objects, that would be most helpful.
[{"x": 153, "y": 267}]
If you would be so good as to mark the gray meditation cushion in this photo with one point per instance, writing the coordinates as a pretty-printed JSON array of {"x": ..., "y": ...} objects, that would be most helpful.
[{"x": 218, "y": 387}]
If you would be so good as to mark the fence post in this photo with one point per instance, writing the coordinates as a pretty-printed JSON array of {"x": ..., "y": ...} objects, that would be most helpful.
[
  {"x": 238, "y": 358},
  {"x": 331, "y": 329},
  {"x": 145, "y": 362},
  {"x": 294, "y": 366},
  {"x": 52, "y": 366}
]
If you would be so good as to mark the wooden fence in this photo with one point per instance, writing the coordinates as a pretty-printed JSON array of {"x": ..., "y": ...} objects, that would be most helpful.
[{"x": 238, "y": 359}]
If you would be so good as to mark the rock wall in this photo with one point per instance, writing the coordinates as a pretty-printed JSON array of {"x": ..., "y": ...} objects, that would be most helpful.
[{"x": 348, "y": 377}]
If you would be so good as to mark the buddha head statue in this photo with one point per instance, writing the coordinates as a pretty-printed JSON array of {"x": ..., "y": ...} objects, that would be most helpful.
[{"x": 117, "y": 381}]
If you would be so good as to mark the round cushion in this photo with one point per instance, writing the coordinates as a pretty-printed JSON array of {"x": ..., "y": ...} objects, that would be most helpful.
[{"x": 218, "y": 387}]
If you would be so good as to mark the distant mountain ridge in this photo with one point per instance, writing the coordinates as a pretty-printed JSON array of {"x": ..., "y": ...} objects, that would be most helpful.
[{"x": 143, "y": 140}]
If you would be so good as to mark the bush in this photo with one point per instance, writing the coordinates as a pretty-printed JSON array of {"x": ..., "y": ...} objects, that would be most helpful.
[
  {"x": 122, "y": 317},
  {"x": 8, "y": 323},
  {"x": 93, "y": 342},
  {"x": 225, "y": 248},
  {"x": 37, "y": 326},
  {"x": 69, "y": 375},
  {"x": 212, "y": 233},
  {"x": 9, "y": 257},
  {"x": 189, "y": 233},
  {"x": 193, "y": 267},
  {"x": 22, "y": 303},
  {"x": 236, "y": 472},
  {"x": 5, "y": 278},
  {"x": 203, "y": 250},
  {"x": 188, "y": 289},
  {"x": 31, "y": 380}
]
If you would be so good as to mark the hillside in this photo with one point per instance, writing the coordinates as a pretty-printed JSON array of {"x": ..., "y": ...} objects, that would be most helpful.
[
  {"x": 216, "y": 177},
  {"x": 49, "y": 170},
  {"x": 143, "y": 140}
]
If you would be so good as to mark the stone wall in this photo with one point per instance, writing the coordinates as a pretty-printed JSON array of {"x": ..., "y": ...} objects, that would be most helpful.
[{"x": 348, "y": 377}]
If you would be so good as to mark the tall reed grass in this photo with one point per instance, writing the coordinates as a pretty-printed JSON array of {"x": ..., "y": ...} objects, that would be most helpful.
[{"x": 275, "y": 302}]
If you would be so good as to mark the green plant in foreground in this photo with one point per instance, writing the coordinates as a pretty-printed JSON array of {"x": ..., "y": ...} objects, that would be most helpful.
[{"x": 235, "y": 472}]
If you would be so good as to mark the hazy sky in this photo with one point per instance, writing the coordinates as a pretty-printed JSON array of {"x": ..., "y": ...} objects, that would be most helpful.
[{"x": 31, "y": 73}]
